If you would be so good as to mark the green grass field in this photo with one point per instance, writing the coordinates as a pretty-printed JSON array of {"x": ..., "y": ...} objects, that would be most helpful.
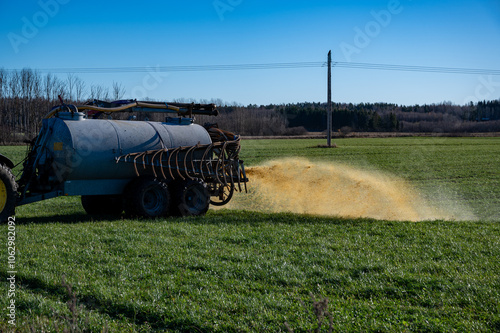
[{"x": 239, "y": 271}]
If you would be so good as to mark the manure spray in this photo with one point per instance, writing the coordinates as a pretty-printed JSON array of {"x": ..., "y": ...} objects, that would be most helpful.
[{"x": 298, "y": 185}]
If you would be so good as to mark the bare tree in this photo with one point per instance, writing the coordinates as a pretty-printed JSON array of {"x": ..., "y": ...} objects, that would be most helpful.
[
  {"x": 79, "y": 89},
  {"x": 15, "y": 85},
  {"x": 26, "y": 93},
  {"x": 3, "y": 82},
  {"x": 4, "y": 114},
  {"x": 26, "y": 83},
  {"x": 118, "y": 90},
  {"x": 98, "y": 92},
  {"x": 48, "y": 87},
  {"x": 37, "y": 85},
  {"x": 14, "y": 103},
  {"x": 71, "y": 82},
  {"x": 218, "y": 102},
  {"x": 37, "y": 105},
  {"x": 59, "y": 89}
]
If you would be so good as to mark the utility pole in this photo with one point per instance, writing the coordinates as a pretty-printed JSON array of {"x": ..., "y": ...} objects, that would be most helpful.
[{"x": 329, "y": 116}]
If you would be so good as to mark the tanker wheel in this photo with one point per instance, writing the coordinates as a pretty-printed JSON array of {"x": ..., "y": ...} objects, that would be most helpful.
[
  {"x": 102, "y": 204},
  {"x": 146, "y": 197},
  {"x": 191, "y": 198},
  {"x": 223, "y": 194},
  {"x": 8, "y": 193}
]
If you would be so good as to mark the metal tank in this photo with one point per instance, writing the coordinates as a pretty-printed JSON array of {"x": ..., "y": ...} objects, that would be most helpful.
[{"x": 86, "y": 149}]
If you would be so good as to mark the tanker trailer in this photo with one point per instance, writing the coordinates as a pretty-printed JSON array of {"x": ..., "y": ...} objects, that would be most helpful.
[{"x": 145, "y": 168}]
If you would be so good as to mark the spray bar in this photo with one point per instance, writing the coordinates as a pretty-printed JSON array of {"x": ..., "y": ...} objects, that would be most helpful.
[{"x": 217, "y": 163}]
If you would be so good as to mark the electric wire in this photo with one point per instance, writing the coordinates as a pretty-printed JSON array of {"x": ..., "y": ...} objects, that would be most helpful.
[
  {"x": 424, "y": 69},
  {"x": 269, "y": 66}
]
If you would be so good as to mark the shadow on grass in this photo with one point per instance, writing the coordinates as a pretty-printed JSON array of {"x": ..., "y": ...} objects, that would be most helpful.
[
  {"x": 66, "y": 219},
  {"x": 214, "y": 217},
  {"x": 104, "y": 306}
]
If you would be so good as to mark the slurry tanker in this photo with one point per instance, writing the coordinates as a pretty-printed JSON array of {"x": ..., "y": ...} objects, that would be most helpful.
[{"x": 143, "y": 168}]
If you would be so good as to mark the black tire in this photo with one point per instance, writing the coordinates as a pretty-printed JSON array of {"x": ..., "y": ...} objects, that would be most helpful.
[
  {"x": 102, "y": 204},
  {"x": 223, "y": 194},
  {"x": 8, "y": 193},
  {"x": 146, "y": 197},
  {"x": 190, "y": 198}
]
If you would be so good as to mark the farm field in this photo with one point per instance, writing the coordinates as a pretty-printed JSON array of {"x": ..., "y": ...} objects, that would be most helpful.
[
  {"x": 459, "y": 172},
  {"x": 238, "y": 270}
]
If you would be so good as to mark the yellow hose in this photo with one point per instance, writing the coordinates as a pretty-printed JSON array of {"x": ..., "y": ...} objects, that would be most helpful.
[{"x": 116, "y": 109}]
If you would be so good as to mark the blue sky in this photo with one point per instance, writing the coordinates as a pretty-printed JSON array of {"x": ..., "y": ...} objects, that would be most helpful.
[{"x": 86, "y": 34}]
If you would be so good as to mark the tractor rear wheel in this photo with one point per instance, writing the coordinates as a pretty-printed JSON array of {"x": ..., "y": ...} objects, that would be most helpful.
[
  {"x": 102, "y": 204},
  {"x": 147, "y": 197},
  {"x": 8, "y": 193},
  {"x": 191, "y": 198}
]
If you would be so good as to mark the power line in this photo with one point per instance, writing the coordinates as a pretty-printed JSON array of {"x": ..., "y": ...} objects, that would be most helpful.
[
  {"x": 423, "y": 69},
  {"x": 142, "y": 69},
  {"x": 268, "y": 66}
]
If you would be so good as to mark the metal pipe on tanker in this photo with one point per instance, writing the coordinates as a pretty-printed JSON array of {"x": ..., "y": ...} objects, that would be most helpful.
[{"x": 209, "y": 109}]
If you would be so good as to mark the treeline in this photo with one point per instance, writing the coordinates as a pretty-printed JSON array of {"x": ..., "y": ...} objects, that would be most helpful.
[
  {"x": 26, "y": 96},
  {"x": 300, "y": 118},
  {"x": 373, "y": 117}
]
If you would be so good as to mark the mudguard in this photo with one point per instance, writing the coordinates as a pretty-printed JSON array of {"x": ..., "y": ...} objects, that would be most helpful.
[{"x": 6, "y": 161}]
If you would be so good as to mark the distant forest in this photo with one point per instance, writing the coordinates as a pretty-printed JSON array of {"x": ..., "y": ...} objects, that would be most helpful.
[
  {"x": 375, "y": 117},
  {"x": 26, "y": 96}
]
